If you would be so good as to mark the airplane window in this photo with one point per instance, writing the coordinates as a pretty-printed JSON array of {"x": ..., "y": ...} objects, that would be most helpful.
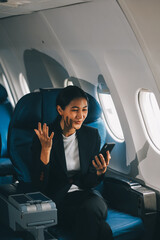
[
  {"x": 111, "y": 117},
  {"x": 151, "y": 116},
  {"x": 6, "y": 85},
  {"x": 68, "y": 82},
  {"x": 23, "y": 84}
]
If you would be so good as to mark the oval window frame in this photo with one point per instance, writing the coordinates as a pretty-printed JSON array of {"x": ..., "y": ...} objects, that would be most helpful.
[
  {"x": 144, "y": 97},
  {"x": 119, "y": 137}
]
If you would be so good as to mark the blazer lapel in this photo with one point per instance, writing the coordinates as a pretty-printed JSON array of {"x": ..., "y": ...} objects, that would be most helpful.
[
  {"x": 60, "y": 153},
  {"x": 82, "y": 150},
  {"x": 58, "y": 147}
]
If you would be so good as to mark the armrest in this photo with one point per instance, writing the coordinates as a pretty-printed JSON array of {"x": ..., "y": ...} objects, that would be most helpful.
[
  {"x": 129, "y": 196},
  {"x": 30, "y": 211}
]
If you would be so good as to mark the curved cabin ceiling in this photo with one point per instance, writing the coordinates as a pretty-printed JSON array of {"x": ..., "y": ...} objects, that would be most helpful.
[
  {"x": 144, "y": 18},
  {"x": 10, "y": 8}
]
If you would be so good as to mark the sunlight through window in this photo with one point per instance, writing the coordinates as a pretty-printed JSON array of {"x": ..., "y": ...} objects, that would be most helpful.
[
  {"x": 68, "y": 82},
  {"x": 23, "y": 84},
  {"x": 111, "y": 116},
  {"x": 151, "y": 116},
  {"x": 10, "y": 96}
]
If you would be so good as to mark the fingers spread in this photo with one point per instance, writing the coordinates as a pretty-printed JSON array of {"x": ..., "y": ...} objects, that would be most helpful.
[
  {"x": 37, "y": 132},
  {"x": 45, "y": 130},
  {"x": 39, "y": 127},
  {"x": 52, "y": 134}
]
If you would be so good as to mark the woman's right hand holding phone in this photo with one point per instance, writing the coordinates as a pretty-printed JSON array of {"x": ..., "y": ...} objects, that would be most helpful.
[
  {"x": 100, "y": 163},
  {"x": 46, "y": 142}
]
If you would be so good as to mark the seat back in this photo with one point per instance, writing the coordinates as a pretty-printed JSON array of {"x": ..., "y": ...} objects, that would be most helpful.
[
  {"x": 31, "y": 109},
  {"x": 6, "y": 111}
]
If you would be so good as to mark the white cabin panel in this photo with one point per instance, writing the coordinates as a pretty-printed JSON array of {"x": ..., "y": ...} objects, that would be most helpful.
[{"x": 86, "y": 40}]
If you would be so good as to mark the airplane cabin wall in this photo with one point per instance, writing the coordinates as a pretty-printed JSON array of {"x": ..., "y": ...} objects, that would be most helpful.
[{"x": 88, "y": 40}]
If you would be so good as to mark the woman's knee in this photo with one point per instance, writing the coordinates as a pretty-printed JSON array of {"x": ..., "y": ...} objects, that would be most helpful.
[
  {"x": 105, "y": 231},
  {"x": 95, "y": 206}
]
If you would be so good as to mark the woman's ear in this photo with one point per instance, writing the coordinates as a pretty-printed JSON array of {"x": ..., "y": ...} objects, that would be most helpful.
[{"x": 59, "y": 110}]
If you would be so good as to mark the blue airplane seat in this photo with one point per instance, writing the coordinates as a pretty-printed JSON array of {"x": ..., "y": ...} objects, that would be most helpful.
[
  {"x": 6, "y": 111},
  {"x": 41, "y": 107},
  {"x": 31, "y": 109},
  {"x": 125, "y": 226}
]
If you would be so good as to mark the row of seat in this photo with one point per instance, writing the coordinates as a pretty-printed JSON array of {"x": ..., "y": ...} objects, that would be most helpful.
[
  {"x": 6, "y": 166},
  {"x": 31, "y": 109},
  {"x": 6, "y": 111}
]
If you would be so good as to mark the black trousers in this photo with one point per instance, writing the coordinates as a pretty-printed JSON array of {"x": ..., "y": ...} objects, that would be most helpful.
[{"x": 83, "y": 213}]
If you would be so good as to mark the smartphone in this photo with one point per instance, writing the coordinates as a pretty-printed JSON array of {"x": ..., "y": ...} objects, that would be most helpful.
[{"x": 107, "y": 147}]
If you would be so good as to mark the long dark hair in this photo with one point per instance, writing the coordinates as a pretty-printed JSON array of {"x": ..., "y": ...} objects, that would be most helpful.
[{"x": 69, "y": 93}]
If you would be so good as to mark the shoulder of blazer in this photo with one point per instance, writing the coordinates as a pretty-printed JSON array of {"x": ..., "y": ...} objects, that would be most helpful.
[
  {"x": 88, "y": 129},
  {"x": 87, "y": 132}
]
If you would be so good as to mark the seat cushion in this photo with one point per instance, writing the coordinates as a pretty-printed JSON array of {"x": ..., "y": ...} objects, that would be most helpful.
[
  {"x": 124, "y": 226},
  {"x": 5, "y": 113}
]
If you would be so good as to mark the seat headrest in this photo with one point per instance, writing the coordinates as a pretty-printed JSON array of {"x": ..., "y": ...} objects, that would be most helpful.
[
  {"x": 3, "y": 94},
  {"x": 94, "y": 110},
  {"x": 49, "y": 106},
  {"x": 42, "y": 107}
]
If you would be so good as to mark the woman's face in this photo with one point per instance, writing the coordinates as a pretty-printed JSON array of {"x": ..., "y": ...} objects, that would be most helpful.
[{"x": 74, "y": 113}]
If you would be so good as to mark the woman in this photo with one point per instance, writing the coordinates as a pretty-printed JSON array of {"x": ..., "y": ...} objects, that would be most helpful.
[{"x": 68, "y": 167}]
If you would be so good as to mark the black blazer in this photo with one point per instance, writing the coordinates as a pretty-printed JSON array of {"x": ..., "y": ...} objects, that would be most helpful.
[{"x": 53, "y": 178}]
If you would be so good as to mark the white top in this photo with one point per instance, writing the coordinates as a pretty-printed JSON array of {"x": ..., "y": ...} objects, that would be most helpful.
[{"x": 72, "y": 156}]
